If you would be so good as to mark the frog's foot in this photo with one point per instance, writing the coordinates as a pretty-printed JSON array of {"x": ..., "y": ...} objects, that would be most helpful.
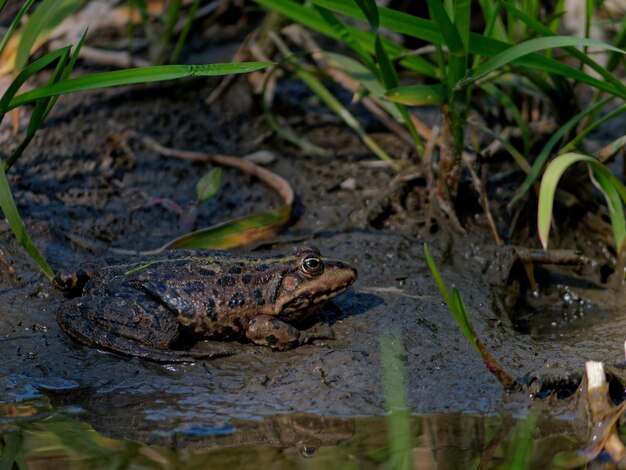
[{"x": 269, "y": 331}]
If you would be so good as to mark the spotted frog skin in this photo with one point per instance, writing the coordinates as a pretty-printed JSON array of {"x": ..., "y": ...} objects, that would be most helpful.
[{"x": 153, "y": 307}]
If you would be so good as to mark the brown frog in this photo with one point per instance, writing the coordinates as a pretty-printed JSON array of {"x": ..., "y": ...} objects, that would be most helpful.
[{"x": 154, "y": 306}]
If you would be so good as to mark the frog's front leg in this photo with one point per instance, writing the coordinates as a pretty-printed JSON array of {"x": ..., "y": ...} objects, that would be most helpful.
[{"x": 266, "y": 330}]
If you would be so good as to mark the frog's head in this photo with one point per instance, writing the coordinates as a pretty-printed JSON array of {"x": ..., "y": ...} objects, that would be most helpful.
[{"x": 310, "y": 282}]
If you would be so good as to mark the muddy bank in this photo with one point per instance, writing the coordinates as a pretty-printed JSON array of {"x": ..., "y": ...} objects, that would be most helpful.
[{"x": 87, "y": 185}]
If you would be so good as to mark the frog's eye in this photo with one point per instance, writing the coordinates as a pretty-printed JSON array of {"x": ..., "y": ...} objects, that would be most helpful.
[{"x": 312, "y": 265}]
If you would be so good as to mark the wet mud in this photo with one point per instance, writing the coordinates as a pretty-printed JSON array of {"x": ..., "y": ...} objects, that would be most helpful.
[{"x": 85, "y": 188}]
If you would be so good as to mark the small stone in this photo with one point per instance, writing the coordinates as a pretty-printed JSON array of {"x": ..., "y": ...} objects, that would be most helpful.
[
  {"x": 348, "y": 184},
  {"x": 262, "y": 157}
]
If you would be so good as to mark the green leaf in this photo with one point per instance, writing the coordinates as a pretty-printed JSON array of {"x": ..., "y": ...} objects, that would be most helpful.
[
  {"x": 418, "y": 95},
  {"x": 14, "y": 24},
  {"x": 48, "y": 15},
  {"x": 428, "y": 31},
  {"x": 387, "y": 70},
  {"x": 370, "y": 10},
  {"x": 533, "y": 45},
  {"x": 235, "y": 232},
  {"x": 7, "y": 204},
  {"x": 605, "y": 73},
  {"x": 363, "y": 75},
  {"x": 454, "y": 302},
  {"x": 346, "y": 36},
  {"x": 31, "y": 69},
  {"x": 462, "y": 10},
  {"x": 134, "y": 76},
  {"x": 311, "y": 19},
  {"x": 209, "y": 185},
  {"x": 436, "y": 276},
  {"x": 613, "y": 190},
  {"x": 545, "y": 152},
  {"x": 457, "y": 56}
]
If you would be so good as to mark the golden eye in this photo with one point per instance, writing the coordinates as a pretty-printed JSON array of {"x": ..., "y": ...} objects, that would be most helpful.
[{"x": 312, "y": 265}]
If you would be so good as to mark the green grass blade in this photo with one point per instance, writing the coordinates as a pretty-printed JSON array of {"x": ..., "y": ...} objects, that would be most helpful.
[
  {"x": 333, "y": 103},
  {"x": 370, "y": 10},
  {"x": 614, "y": 203},
  {"x": 612, "y": 189},
  {"x": 571, "y": 145},
  {"x": 418, "y": 95},
  {"x": 436, "y": 276},
  {"x": 312, "y": 20},
  {"x": 48, "y": 15},
  {"x": 31, "y": 69},
  {"x": 520, "y": 457},
  {"x": 461, "y": 315},
  {"x": 545, "y": 152},
  {"x": 605, "y": 73},
  {"x": 7, "y": 204},
  {"x": 494, "y": 27},
  {"x": 347, "y": 38},
  {"x": 387, "y": 70},
  {"x": 620, "y": 41},
  {"x": 462, "y": 9},
  {"x": 134, "y": 76},
  {"x": 182, "y": 37},
  {"x": 451, "y": 37},
  {"x": 15, "y": 23},
  {"x": 428, "y": 31},
  {"x": 528, "y": 47},
  {"x": 340, "y": 110},
  {"x": 45, "y": 105},
  {"x": 453, "y": 301},
  {"x": 398, "y": 420},
  {"x": 364, "y": 76}
]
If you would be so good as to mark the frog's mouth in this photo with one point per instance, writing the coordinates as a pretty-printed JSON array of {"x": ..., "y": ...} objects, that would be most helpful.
[{"x": 307, "y": 303}]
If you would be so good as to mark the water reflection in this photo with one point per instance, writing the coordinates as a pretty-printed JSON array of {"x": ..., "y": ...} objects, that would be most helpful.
[{"x": 32, "y": 435}]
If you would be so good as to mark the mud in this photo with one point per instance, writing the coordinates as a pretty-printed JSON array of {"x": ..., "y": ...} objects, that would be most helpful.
[{"x": 84, "y": 188}]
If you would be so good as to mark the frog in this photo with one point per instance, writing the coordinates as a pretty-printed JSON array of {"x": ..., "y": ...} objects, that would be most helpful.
[{"x": 158, "y": 306}]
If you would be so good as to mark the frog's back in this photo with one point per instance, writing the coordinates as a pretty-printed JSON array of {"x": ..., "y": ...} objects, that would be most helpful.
[{"x": 211, "y": 266}]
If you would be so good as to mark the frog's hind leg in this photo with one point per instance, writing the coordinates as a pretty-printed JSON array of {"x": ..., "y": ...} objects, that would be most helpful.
[{"x": 140, "y": 333}]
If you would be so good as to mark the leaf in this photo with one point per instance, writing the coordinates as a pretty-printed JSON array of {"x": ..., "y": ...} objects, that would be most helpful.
[
  {"x": 317, "y": 87},
  {"x": 7, "y": 204},
  {"x": 363, "y": 75},
  {"x": 580, "y": 55},
  {"x": 236, "y": 232},
  {"x": 134, "y": 76},
  {"x": 428, "y": 31},
  {"x": 311, "y": 19},
  {"x": 347, "y": 38},
  {"x": 418, "y": 95},
  {"x": 48, "y": 15},
  {"x": 14, "y": 24},
  {"x": 612, "y": 189},
  {"x": 31, "y": 69},
  {"x": 370, "y": 10},
  {"x": 541, "y": 159},
  {"x": 209, "y": 184},
  {"x": 532, "y": 45}
]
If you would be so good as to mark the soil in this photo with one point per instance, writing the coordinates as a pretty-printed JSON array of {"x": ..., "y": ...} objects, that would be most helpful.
[{"x": 84, "y": 188}]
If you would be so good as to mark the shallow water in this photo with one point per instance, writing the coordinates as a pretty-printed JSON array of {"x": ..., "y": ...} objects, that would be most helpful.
[{"x": 33, "y": 435}]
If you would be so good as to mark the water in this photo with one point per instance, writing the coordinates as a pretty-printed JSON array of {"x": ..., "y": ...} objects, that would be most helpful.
[{"x": 34, "y": 435}]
